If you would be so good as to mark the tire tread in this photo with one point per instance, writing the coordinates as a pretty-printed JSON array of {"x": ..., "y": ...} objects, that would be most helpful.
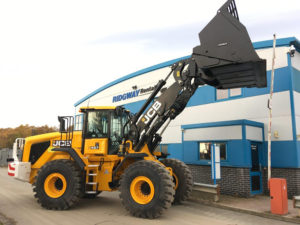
[{"x": 185, "y": 188}]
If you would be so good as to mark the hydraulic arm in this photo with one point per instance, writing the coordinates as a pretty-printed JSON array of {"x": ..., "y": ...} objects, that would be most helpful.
[{"x": 224, "y": 59}]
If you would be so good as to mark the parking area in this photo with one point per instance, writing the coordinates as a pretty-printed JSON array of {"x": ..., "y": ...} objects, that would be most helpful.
[{"x": 17, "y": 202}]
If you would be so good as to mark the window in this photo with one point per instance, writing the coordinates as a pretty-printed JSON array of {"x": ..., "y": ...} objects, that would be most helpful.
[
  {"x": 222, "y": 94},
  {"x": 125, "y": 118},
  {"x": 116, "y": 127},
  {"x": 97, "y": 126},
  {"x": 205, "y": 149},
  {"x": 235, "y": 92},
  {"x": 223, "y": 151},
  {"x": 228, "y": 93},
  {"x": 78, "y": 122}
]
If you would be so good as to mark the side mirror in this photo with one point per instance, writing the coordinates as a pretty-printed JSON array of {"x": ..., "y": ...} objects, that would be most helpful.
[{"x": 62, "y": 124}]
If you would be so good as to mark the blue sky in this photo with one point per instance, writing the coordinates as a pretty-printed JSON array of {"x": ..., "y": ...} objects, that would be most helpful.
[{"x": 53, "y": 53}]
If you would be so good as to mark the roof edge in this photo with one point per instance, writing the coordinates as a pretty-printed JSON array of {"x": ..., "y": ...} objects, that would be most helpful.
[
  {"x": 257, "y": 45},
  {"x": 131, "y": 75},
  {"x": 279, "y": 43}
]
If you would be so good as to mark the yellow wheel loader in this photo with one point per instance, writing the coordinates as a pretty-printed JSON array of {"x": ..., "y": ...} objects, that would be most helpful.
[{"x": 116, "y": 150}]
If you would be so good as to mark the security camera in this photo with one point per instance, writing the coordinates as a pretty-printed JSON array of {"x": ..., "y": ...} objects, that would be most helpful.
[{"x": 292, "y": 51}]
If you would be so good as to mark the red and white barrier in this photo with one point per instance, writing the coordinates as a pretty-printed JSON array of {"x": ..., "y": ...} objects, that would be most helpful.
[
  {"x": 20, "y": 170},
  {"x": 11, "y": 169}
]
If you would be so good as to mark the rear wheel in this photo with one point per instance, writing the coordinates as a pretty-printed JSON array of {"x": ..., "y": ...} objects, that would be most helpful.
[
  {"x": 58, "y": 185},
  {"x": 146, "y": 189},
  {"x": 182, "y": 178}
]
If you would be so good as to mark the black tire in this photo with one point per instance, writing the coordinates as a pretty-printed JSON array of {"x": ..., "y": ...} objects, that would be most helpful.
[
  {"x": 184, "y": 179},
  {"x": 162, "y": 184},
  {"x": 68, "y": 187}
]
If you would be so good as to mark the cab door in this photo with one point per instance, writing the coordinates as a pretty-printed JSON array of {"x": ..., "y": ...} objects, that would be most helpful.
[
  {"x": 117, "y": 122},
  {"x": 97, "y": 132}
]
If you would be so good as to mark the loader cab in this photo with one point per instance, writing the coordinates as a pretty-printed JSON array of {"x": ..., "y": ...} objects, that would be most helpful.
[{"x": 103, "y": 129}]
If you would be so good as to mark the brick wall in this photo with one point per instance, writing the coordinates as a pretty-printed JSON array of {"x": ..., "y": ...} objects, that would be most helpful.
[
  {"x": 235, "y": 181},
  {"x": 292, "y": 176}
]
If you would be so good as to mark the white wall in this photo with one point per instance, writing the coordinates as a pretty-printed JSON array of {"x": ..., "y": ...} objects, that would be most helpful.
[
  {"x": 281, "y": 56},
  {"x": 213, "y": 133},
  {"x": 297, "y": 111},
  {"x": 296, "y": 60},
  {"x": 296, "y": 64},
  {"x": 172, "y": 134},
  {"x": 146, "y": 80},
  {"x": 254, "y": 133}
]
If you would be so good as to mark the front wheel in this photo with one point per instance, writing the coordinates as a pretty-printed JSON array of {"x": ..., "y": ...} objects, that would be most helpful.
[
  {"x": 58, "y": 185},
  {"x": 182, "y": 178},
  {"x": 146, "y": 189}
]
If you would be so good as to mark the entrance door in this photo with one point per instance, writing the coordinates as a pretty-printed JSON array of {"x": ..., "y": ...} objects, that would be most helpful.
[{"x": 255, "y": 173}]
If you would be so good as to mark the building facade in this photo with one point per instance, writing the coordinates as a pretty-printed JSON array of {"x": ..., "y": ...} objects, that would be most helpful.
[{"x": 236, "y": 120}]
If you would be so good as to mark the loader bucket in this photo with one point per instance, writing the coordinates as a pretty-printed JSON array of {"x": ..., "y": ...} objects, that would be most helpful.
[{"x": 226, "y": 55}]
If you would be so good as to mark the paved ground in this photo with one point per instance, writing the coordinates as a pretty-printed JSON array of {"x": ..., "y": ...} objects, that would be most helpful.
[{"x": 17, "y": 202}]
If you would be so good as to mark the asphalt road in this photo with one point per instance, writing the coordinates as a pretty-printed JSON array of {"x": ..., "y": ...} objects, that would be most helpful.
[{"x": 17, "y": 202}]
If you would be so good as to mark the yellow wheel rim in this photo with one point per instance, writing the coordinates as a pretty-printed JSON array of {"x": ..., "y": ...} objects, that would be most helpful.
[
  {"x": 175, "y": 180},
  {"x": 142, "y": 190},
  {"x": 55, "y": 185}
]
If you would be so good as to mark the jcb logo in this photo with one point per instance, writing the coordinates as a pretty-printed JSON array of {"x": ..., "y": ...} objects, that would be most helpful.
[
  {"x": 151, "y": 112},
  {"x": 59, "y": 143}
]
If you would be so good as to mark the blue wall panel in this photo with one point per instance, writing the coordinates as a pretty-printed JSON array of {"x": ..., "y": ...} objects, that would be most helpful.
[
  {"x": 175, "y": 151},
  {"x": 203, "y": 95},
  {"x": 296, "y": 79},
  {"x": 298, "y": 152},
  {"x": 283, "y": 154},
  {"x": 281, "y": 83},
  {"x": 190, "y": 151},
  {"x": 238, "y": 153},
  {"x": 134, "y": 107}
]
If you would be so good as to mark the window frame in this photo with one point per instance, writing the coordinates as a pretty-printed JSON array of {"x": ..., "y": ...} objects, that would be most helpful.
[
  {"x": 78, "y": 124},
  {"x": 213, "y": 142},
  {"x": 87, "y": 122},
  {"x": 229, "y": 96}
]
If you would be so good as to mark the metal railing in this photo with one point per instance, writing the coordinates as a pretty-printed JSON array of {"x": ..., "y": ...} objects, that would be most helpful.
[{"x": 208, "y": 188}]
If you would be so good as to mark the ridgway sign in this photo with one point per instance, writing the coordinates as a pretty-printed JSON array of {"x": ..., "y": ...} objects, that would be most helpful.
[{"x": 132, "y": 94}]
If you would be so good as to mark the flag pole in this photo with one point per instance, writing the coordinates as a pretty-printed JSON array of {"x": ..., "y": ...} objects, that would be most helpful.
[{"x": 270, "y": 109}]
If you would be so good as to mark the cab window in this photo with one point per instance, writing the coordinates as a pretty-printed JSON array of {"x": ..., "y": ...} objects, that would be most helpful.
[
  {"x": 97, "y": 126},
  {"x": 116, "y": 127}
]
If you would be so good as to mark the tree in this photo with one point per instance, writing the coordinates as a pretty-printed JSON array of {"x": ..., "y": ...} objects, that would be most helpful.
[{"x": 8, "y": 135}]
